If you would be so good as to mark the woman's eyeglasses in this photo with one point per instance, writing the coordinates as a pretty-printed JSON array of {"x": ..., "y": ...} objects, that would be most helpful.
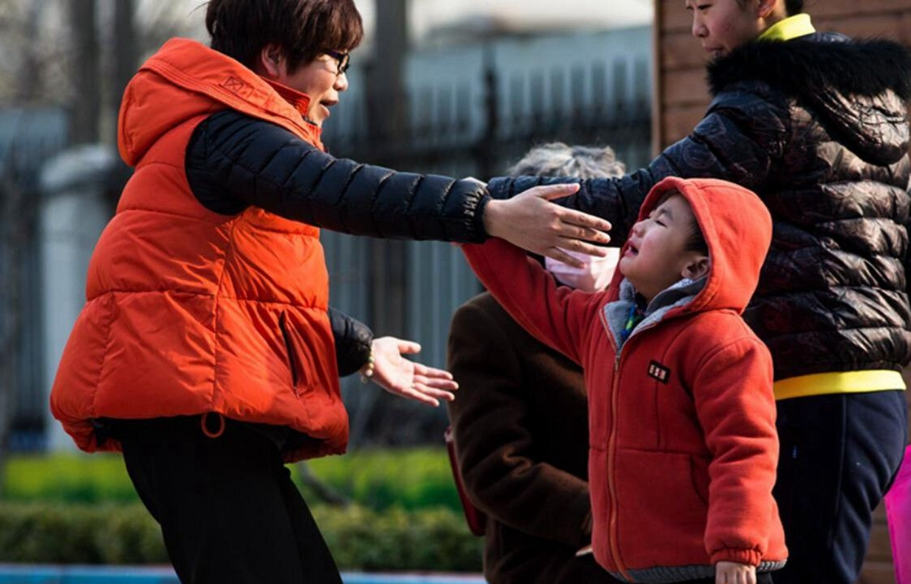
[{"x": 343, "y": 60}]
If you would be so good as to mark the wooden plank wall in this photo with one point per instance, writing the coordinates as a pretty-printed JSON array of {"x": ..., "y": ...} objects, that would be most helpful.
[
  {"x": 681, "y": 96},
  {"x": 680, "y": 90}
]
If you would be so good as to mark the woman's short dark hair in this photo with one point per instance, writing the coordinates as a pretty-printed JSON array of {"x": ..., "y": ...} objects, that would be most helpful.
[{"x": 303, "y": 29}]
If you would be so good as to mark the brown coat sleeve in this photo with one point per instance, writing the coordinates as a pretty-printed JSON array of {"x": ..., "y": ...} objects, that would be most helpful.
[{"x": 490, "y": 417}]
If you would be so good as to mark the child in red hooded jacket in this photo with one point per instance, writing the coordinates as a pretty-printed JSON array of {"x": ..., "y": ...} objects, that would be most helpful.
[{"x": 683, "y": 447}]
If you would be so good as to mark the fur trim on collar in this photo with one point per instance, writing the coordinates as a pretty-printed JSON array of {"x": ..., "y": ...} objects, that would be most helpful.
[{"x": 817, "y": 63}]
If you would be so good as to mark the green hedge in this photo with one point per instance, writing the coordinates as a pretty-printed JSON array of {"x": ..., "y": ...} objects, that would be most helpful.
[
  {"x": 427, "y": 540},
  {"x": 70, "y": 478},
  {"x": 62, "y": 534},
  {"x": 414, "y": 478},
  {"x": 360, "y": 539}
]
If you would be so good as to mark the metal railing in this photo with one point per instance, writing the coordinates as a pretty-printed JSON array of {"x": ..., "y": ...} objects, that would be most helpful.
[{"x": 464, "y": 128}]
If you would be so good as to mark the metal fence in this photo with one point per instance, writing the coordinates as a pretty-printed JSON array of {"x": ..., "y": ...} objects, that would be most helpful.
[
  {"x": 28, "y": 137},
  {"x": 474, "y": 124}
]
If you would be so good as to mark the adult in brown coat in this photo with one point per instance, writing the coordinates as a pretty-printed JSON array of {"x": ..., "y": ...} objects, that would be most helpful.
[{"x": 521, "y": 423}]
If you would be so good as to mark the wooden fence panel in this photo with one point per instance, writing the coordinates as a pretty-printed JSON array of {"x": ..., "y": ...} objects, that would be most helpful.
[{"x": 680, "y": 61}]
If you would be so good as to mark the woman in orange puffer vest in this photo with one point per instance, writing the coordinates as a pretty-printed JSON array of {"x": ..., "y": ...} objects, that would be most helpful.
[{"x": 206, "y": 350}]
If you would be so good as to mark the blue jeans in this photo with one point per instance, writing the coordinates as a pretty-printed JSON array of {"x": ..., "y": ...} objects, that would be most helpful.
[{"x": 839, "y": 454}]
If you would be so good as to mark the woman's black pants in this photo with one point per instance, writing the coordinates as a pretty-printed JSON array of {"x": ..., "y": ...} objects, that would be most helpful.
[{"x": 227, "y": 507}]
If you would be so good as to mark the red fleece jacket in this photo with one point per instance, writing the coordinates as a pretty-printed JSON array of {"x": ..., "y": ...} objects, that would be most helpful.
[{"x": 683, "y": 447}]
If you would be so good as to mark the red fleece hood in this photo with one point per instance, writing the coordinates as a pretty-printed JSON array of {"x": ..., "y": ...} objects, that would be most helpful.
[
  {"x": 738, "y": 230},
  {"x": 186, "y": 79}
]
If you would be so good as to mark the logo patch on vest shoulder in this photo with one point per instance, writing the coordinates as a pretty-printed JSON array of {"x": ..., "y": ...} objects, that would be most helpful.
[
  {"x": 233, "y": 84},
  {"x": 658, "y": 371}
]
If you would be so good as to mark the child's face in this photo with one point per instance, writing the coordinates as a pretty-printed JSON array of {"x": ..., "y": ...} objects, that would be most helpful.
[
  {"x": 724, "y": 25},
  {"x": 656, "y": 255}
]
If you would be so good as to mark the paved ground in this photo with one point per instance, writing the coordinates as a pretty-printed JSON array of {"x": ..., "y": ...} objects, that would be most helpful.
[{"x": 25, "y": 574}]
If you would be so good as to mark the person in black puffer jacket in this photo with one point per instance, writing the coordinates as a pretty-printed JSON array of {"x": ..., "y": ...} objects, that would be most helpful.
[{"x": 816, "y": 124}]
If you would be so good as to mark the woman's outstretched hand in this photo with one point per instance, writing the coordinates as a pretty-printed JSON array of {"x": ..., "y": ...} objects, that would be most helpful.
[
  {"x": 531, "y": 221},
  {"x": 405, "y": 378}
]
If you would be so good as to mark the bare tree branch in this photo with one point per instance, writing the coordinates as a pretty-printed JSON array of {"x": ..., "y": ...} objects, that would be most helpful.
[{"x": 323, "y": 492}]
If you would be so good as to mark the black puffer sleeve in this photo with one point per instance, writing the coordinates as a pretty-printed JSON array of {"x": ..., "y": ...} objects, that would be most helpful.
[
  {"x": 234, "y": 161},
  {"x": 352, "y": 342},
  {"x": 740, "y": 138},
  {"x": 615, "y": 199}
]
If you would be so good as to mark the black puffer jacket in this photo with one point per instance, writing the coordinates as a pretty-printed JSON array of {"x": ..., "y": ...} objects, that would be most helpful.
[
  {"x": 818, "y": 127},
  {"x": 234, "y": 161}
]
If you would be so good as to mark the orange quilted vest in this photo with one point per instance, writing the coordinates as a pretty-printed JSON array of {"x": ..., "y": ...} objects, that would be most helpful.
[{"x": 189, "y": 311}]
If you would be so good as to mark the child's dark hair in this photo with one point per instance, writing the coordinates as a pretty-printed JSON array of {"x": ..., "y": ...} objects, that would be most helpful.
[{"x": 696, "y": 241}]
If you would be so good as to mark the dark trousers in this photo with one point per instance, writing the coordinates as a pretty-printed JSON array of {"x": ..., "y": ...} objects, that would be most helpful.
[
  {"x": 227, "y": 507},
  {"x": 839, "y": 454},
  {"x": 764, "y": 578}
]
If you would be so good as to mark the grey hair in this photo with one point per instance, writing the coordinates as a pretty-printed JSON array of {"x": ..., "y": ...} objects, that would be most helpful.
[{"x": 558, "y": 159}]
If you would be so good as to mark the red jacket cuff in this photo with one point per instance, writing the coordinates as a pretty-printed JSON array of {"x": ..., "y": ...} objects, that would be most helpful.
[{"x": 740, "y": 556}]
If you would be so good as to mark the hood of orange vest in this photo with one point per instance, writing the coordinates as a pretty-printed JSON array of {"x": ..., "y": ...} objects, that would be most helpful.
[
  {"x": 185, "y": 80},
  {"x": 738, "y": 230}
]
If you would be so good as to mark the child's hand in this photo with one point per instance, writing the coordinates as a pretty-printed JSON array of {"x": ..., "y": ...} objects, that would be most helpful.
[
  {"x": 733, "y": 573},
  {"x": 584, "y": 551}
]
